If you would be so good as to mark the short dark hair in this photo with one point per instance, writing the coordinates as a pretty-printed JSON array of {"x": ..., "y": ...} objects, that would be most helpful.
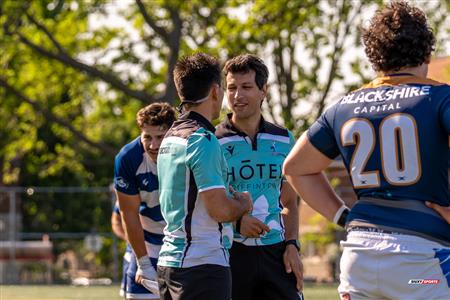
[
  {"x": 194, "y": 76},
  {"x": 398, "y": 36},
  {"x": 156, "y": 114},
  {"x": 244, "y": 63}
]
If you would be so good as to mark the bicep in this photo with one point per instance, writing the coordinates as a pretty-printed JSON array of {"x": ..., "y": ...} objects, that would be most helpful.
[
  {"x": 128, "y": 203},
  {"x": 205, "y": 160},
  {"x": 305, "y": 159},
  {"x": 214, "y": 201}
]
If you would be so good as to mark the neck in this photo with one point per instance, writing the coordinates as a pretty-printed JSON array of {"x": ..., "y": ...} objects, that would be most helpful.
[
  {"x": 419, "y": 71},
  {"x": 204, "y": 109},
  {"x": 247, "y": 125}
]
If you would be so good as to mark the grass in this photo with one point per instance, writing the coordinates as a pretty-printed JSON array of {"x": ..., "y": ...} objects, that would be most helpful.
[{"x": 63, "y": 292}]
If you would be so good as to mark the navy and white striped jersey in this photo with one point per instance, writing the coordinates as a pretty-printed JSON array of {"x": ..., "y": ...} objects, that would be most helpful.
[{"x": 135, "y": 173}]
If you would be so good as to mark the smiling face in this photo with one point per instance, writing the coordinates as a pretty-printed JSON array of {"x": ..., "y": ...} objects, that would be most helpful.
[
  {"x": 244, "y": 96},
  {"x": 151, "y": 138}
]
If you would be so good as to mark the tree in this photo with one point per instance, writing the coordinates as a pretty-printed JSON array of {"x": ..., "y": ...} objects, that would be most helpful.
[{"x": 74, "y": 73}]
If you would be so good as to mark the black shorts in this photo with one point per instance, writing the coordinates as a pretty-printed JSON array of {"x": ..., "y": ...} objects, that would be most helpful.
[
  {"x": 258, "y": 273},
  {"x": 204, "y": 282}
]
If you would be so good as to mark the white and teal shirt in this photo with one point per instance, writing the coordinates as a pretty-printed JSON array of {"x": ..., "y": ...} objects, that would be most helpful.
[
  {"x": 256, "y": 166},
  {"x": 190, "y": 161}
]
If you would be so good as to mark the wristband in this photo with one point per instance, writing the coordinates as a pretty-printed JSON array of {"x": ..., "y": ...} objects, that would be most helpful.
[
  {"x": 341, "y": 216},
  {"x": 143, "y": 262},
  {"x": 238, "y": 225},
  {"x": 293, "y": 242}
]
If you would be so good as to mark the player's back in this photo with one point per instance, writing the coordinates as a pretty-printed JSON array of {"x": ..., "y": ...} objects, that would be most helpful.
[{"x": 393, "y": 138}]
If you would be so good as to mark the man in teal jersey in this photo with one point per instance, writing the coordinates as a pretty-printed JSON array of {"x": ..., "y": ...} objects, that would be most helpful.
[
  {"x": 265, "y": 261},
  {"x": 194, "y": 197}
]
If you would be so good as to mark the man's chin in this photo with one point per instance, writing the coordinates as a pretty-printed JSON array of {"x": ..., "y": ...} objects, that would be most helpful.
[{"x": 153, "y": 155}]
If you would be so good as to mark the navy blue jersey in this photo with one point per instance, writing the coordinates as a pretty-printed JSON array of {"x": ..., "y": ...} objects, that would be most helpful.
[{"x": 393, "y": 138}]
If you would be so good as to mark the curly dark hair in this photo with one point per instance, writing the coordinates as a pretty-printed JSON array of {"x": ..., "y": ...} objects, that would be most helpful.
[
  {"x": 244, "y": 63},
  {"x": 156, "y": 114},
  {"x": 398, "y": 37}
]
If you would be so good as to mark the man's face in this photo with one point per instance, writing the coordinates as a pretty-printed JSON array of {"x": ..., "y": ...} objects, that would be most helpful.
[
  {"x": 244, "y": 96},
  {"x": 151, "y": 138}
]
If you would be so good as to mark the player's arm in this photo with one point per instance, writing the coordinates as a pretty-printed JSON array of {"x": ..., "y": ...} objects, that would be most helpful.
[
  {"x": 225, "y": 209},
  {"x": 116, "y": 225},
  {"x": 291, "y": 256},
  {"x": 129, "y": 206},
  {"x": 303, "y": 170},
  {"x": 444, "y": 211}
]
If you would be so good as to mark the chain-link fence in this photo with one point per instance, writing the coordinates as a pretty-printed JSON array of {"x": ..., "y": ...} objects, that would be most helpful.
[{"x": 57, "y": 234}]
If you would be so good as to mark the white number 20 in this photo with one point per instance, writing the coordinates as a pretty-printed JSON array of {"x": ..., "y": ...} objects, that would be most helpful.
[{"x": 398, "y": 133}]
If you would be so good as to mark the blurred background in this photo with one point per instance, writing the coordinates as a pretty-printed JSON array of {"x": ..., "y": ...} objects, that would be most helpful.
[{"x": 73, "y": 74}]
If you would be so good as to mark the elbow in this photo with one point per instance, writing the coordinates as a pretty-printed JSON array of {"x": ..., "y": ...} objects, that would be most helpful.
[
  {"x": 224, "y": 214},
  {"x": 287, "y": 168},
  {"x": 221, "y": 216}
]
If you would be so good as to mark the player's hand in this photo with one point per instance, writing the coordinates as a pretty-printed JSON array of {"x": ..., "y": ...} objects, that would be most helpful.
[
  {"x": 245, "y": 198},
  {"x": 444, "y": 211},
  {"x": 293, "y": 263},
  {"x": 145, "y": 270},
  {"x": 251, "y": 227}
]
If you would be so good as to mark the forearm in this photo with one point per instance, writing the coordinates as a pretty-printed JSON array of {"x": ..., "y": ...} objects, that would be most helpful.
[
  {"x": 235, "y": 209},
  {"x": 317, "y": 192},
  {"x": 290, "y": 219},
  {"x": 134, "y": 233},
  {"x": 118, "y": 231}
]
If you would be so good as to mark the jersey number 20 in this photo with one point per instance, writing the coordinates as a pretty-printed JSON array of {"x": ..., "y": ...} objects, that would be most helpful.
[{"x": 398, "y": 133}]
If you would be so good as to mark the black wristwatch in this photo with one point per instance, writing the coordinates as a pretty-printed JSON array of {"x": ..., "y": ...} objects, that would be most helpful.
[{"x": 293, "y": 242}]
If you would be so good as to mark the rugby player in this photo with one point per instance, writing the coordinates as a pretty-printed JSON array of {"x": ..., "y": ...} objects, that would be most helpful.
[
  {"x": 195, "y": 202},
  {"x": 136, "y": 185},
  {"x": 265, "y": 261},
  {"x": 392, "y": 135}
]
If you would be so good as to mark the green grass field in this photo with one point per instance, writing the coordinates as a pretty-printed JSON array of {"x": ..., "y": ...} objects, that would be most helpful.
[{"x": 61, "y": 292}]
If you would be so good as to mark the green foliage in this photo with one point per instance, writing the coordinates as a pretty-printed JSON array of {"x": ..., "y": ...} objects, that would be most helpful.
[
  {"x": 74, "y": 74},
  {"x": 320, "y": 239}
]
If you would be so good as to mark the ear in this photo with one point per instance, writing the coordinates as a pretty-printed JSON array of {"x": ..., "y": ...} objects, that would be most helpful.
[
  {"x": 264, "y": 91},
  {"x": 215, "y": 92},
  {"x": 427, "y": 60}
]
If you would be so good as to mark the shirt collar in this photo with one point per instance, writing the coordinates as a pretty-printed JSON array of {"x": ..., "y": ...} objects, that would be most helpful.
[
  {"x": 229, "y": 125},
  {"x": 192, "y": 115}
]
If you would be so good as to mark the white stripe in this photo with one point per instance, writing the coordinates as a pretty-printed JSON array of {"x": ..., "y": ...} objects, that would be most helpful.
[
  {"x": 229, "y": 139},
  {"x": 152, "y": 250},
  {"x": 186, "y": 195},
  {"x": 151, "y": 225},
  {"x": 142, "y": 296},
  {"x": 448, "y": 257},
  {"x": 127, "y": 256},
  {"x": 279, "y": 138},
  {"x": 147, "y": 165},
  {"x": 175, "y": 140},
  {"x": 211, "y": 188}
]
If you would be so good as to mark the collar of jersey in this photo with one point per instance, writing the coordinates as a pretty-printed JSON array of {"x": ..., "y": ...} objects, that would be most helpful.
[
  {"x": 399, "y": 79},
  {"x": 192, "y": 115},
  {"x": 230, "y": 127}
]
